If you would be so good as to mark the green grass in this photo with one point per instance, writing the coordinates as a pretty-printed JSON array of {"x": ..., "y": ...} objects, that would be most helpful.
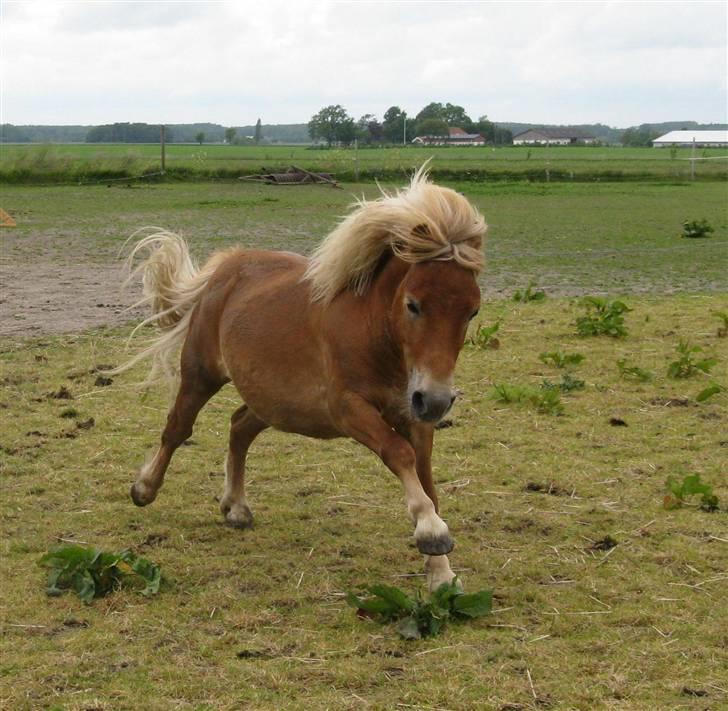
[
  {"x": 258, "y": 619},
  {"x": 61, "y": 163},
  {"x": 567, "y": 238}
]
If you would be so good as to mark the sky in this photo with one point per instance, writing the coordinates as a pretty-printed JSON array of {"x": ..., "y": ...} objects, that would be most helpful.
[{"x": 617, "y": 63}]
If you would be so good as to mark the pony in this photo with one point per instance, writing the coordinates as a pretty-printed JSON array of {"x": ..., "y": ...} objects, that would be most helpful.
[{"x": 360, "y": 340}]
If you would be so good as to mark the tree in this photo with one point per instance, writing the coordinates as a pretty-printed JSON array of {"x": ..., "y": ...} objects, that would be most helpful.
[
  {"x": 368, "y": 129},
  {"x": 452, "y": 114},
  {"x": 333, "y": 125},
  {"x": 433, "y": 110},
  {"x": 258, "y": 131},
  {"x": 127, "y": 133},
  {"x": 642, "y": 136},
  {"x": 230, "y": 135},
  {"x": 200, "y": 137},
  {"x": 394, "y": 123},
  {"x": 486, "y": 129},
  {"x": 432, "y": 127}
]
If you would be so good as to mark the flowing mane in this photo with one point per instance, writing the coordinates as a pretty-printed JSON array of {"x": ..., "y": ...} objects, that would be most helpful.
[{"x": 420, "y": 223}]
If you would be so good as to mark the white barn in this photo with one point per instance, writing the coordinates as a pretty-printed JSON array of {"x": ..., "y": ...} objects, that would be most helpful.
[
  {"x": 553, "y": 137},
  {"x": 702, "y": 139}
]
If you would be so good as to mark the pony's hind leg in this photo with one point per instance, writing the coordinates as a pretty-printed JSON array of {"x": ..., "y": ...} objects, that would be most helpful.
[
  {"x": 191, "y": 397},
  {"x": 244, "y": 428}
]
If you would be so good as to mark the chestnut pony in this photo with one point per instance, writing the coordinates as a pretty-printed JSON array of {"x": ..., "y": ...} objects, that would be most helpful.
[{"x": 358, "y": 341}]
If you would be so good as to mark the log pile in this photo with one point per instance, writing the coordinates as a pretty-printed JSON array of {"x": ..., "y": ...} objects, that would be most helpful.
[{"x": 293, "y": 176}]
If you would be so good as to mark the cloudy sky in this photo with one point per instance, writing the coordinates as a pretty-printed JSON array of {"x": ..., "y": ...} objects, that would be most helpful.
[{"x": 619, "y": 63}]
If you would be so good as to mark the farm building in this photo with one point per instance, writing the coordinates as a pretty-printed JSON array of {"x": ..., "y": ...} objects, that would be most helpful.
[
  {"x": 456, "y": 137},
  {"x": 553, "y": 137},
  {"x": 702, "y": 139}
]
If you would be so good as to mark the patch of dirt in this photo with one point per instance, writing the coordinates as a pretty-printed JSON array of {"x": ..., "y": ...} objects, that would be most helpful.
[
  {"x": 44, "y": 297},
  {"x": 670, "y": 402},
  {"x": 550, "y": 488}
]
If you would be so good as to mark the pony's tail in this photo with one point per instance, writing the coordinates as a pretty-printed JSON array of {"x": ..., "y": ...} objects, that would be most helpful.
[{"x": 172, "y": 285}]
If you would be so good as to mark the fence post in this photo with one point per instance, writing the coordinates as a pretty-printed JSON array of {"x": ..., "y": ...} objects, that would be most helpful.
[
  {"x": 356, "y": 159},
  {"x": 161, "y": 141}
]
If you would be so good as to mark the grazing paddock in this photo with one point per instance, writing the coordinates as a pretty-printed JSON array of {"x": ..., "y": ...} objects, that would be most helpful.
[
  {"x": 27, "y": 163},
  {"x": 60, "y": 271},
  {"x": 536, "y": 502}
]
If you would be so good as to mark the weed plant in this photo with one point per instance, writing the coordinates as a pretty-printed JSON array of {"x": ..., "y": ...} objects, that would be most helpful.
[
  {"x": 529, "y": 294},
  {"x": 633, "y": 372},
  {"x": 695, "y": 229},
  {"x": 568, "y": 384},
  {"x": 416, "y": 617},
  {"x": 691, "y": 485},
  {"x": 484, "y": 336},
  {"x": 603, "y": 318},
  {"x": 93, "y": 573},
  {"x": 686, "y": 366},
  {"x": 545, "y": 400},
  {"x": 561, "y": 359}
]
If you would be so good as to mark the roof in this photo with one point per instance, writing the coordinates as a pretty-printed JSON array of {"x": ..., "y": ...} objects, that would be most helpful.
[
  {"x": 558, "y": 133},
  {"x": 690, "y": 136}
]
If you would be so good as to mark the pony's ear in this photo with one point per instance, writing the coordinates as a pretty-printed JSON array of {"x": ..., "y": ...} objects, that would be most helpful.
[{"x": 421, "y": 230}]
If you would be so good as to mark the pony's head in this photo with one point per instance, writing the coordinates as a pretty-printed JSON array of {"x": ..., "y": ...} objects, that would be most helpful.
[
  {"x": 440, "y": 234},
  {"x": 429, "y": 315}
]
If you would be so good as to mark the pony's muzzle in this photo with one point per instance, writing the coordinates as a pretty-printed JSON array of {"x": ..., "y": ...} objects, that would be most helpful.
[{"x": 431, "y": 406}]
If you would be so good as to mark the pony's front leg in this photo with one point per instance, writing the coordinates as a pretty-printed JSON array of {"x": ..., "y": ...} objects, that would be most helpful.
[
  {"x": 437, "y": 568},
  {"x": 363, "y": 422}
]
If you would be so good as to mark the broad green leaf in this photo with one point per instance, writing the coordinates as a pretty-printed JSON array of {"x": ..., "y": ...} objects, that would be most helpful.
[
  {"x": 84, "y": 585},
  {"x": 706, "y": 364},
  {"x": 408, "y": 628},
  {"x": 708, "y": 392},
  {"x": 692, "y": 485},
  {"x": 435, "y": 623},
  {"x": 474, "y": 605},
  {"x": 446, "y": 592},
  {"x": 675, "y": 487},
  {"x": 372, "y": 604},
  {"x": 394, "y": 596}
]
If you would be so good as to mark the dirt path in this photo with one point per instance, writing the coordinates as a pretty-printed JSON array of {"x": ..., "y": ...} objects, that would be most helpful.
[{"x": 45, "y": 297}]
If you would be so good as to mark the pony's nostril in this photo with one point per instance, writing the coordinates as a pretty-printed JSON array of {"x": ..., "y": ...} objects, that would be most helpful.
[
  {"x": 418, "y": 402},
  {"x": 452, "y": 399}
]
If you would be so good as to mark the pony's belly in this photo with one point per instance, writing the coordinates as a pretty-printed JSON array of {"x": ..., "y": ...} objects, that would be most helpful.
[{"x": 289, "y": 406}]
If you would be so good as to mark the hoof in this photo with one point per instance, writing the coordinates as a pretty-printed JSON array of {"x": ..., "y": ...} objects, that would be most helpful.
[
  {"x": 237, "y": 515},
  {"x": 141, "y": 494},
  {"x": 439, "y": 545}
]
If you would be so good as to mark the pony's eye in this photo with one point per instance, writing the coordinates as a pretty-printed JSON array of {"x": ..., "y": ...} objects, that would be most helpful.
[
  {"x": 413, "y": 307},
  {"x": 474, "y": 314}
]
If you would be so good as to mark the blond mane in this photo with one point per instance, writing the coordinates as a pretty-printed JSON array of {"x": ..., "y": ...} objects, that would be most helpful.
[{"x": 420, "y": 223}]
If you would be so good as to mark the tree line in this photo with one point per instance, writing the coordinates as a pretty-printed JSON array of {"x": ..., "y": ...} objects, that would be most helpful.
[{"x": 334, "y": 125}]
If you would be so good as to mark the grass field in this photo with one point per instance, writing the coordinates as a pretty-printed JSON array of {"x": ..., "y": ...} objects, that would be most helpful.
[
  {"x": 570, "y": 238},
  {"x": 252, "y": 619},
  {"x": 536, "y": 501},
  {"x": 89, "y": 162}
]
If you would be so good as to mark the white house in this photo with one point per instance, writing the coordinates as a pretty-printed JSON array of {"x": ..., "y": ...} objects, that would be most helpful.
[{"x": 702, "y": 139}]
